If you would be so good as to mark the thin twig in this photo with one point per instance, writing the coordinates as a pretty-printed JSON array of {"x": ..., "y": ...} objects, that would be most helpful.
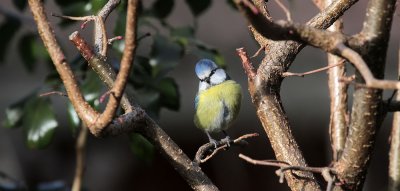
[
  {"x": 285, "y": 10},
  {"x": 80, "y": 158},
  {"x": 111, "y": 40},
  {"x": 358, "y": 62},
  {"x": 333, "y": 42},
  {"x": 258, "y": 52},
  {"x": 140, "y": 38},
  {"x": 287, "y": 74},
  {"x": 202, "y": 153},
  {"x": 247, "y": 65},
  {"x": 53, "y": 93},
  {"x": 326, "y": 172}
]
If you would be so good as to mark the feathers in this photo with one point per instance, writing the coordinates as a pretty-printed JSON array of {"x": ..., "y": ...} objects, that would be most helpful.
[
  {"x": 217, "y": 106},
  {"x": 204, "y": 68}
]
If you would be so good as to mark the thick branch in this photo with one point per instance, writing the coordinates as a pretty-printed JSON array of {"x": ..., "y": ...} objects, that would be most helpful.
[
  {"x": 99, "y": 65},
  {"x": 367, "y": 113},
  {"x": 329, "y": 41},
  {"x": 127, "y": 58},
  {"x": 338, "y": 123},
  {"x": 266, "y": 87},
  {"x": 275, "y": 123},
  {"x": 394, "y": 153},
  {"x": 85, "y": 112},
  {"x": 138, "y": 118}
]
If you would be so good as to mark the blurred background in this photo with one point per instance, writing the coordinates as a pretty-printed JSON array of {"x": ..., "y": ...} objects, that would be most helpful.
[{"x": 110, "y": 162}]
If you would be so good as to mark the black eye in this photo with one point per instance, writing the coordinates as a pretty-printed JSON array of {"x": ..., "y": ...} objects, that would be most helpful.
[{"x": 207, "y": 79}]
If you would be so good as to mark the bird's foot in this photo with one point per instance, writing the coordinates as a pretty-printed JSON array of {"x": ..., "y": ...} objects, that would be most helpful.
[
  {"x": 214, "y": 142},
  {"x": 227, "y": 140}
]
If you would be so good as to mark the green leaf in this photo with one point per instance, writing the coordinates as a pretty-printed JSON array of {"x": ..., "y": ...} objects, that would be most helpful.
[
  {"x": 20, "y": 4},
  {"x": 75, "y": 9},
  {"x": 39, "y": 122},
  {"x": 205, "y": 51},
  {"x": 92, "y": 86},
  {"x": 169, "y": 93},
  {"x": 64, "y": 3},
  {"x": 165, "y": 55},
  {"x": 7, "y": 30},
  {"x": 182, "y": 35},
  {"x": 97, "y": 5},
  {"x": 162, "y": 8},
  {"x": 15, "y": 112},
  {"x": 198, "y": 6},
  {"x": 119, "y": 29},
  {"x": 26, "y": 51},
  {"x": 141, "y": 147},
  {"x": 73, "y": 118},
  {"x": 232, "y": 4},
  {"x": 30, "y": 49},
  {"x": 142, "y": 72},
  {"x": 53, "y": 80},
  {"x": 13, "y": 116},
  {"x": 187, "y": 32},
  {"x": 147, "y": 97}
]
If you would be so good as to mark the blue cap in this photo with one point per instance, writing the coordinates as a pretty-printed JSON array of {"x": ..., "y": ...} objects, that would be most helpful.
[{"x": 204, "y": 68}]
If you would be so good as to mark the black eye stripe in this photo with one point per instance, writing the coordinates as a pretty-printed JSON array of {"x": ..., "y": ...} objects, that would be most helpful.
[{"x": 207, "y": 79}]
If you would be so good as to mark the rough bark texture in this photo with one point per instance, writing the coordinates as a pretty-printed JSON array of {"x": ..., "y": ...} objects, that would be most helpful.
[{"x": 366, "y": 116}]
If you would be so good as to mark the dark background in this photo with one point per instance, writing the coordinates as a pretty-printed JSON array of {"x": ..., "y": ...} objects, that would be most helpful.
[{"x": 112, "y": 166}]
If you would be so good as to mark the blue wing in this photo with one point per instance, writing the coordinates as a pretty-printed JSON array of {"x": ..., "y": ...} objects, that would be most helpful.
[{"x": 196, "y": 101}]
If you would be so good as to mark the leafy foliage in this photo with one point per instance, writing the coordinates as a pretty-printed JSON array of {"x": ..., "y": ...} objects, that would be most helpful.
[
  {"x": 152, "y": 86},
  {"x": 30, "y": 50},
  {"x": 36, "y": 116},
  {"x": 39, "y": 122},
  {"x": 162, "y": 8},
  {"x": 198, "y": 7},
  {"x": 20, "y": 4},
  {"x": 7, "y": 30}
]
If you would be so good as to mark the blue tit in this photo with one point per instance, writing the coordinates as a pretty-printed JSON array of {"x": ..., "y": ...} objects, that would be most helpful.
[{"x": 217, "y": 102}]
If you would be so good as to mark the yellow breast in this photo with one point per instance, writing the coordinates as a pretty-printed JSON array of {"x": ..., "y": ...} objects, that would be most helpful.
[{"x": 218, "y": 106}]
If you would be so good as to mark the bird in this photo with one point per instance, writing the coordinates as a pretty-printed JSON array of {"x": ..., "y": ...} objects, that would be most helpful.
[{"x": 218, "y": 100}]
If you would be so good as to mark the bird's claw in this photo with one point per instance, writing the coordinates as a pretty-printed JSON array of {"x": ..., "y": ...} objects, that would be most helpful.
[
  {"x": 227, "y": 140},
  {"x": 214, "y": 142}
]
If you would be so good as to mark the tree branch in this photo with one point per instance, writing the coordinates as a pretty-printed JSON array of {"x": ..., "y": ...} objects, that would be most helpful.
[
  {"x": 99, "y": 65},
  {"x": 80, "y": 158},
  {"x": 339, "y": 120},
  {"x": 268, "y": 105},
  {"x": 85, "y": 112},
  {"x": 394, "y": 153},
  {"x": 332, "y": 42},
  {"x": 285, "y": 10},
  {"x": 287, "y": 74},
  {"x": 139, "y": 120},
  {"x": 367, "y": 113},
  {"x": 208, "y": 150},
  {"x": 265, "y": 91},
  {"x": 326, "y": 172}
]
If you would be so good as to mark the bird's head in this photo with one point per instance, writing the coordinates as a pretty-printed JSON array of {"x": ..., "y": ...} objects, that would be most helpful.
[{"x": 209, "y": 74}]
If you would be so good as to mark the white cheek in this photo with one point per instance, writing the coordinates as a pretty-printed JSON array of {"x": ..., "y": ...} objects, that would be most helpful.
[
  {"x": 203, "y": 86},
  {"x": 218, "y": 77}
]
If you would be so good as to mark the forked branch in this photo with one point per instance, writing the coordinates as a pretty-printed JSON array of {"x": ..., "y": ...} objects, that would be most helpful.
[{"x": 208, "y": 150}]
